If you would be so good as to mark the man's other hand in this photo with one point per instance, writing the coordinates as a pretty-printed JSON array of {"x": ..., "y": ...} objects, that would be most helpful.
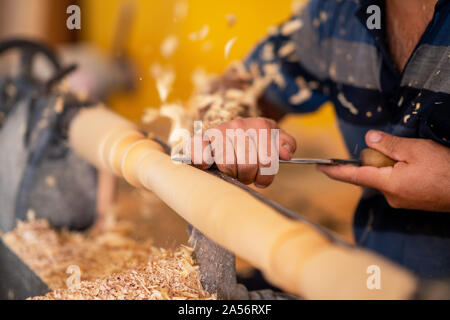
[{"x": 420, "y": 180}]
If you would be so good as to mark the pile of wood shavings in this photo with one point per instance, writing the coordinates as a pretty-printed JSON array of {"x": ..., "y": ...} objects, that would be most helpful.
[
  {"x": 49, "y": 252},
  {"x": 112, "y": 265},
  {"x": 167, "y": 276}
]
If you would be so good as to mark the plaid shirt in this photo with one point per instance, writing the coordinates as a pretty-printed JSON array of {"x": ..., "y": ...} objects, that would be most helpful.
[{"x": 327, "y": 53}]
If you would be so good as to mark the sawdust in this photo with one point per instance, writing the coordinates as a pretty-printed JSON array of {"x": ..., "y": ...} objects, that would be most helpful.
[
  {"x": 49, "y": 252},
  {"x": 167, "y": 276},
  {"x": 114, "y": 263}
]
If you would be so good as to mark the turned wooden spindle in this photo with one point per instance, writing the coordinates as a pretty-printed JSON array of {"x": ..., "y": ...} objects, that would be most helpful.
[{"x": 292, "y": 254}]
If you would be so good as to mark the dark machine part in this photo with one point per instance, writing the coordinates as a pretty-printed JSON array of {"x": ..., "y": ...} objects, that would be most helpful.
[
  {"x": 18, "y": 281},
  {"x": 34, "y": 149},
  {"x": 217, "y": 265},
  {"x": 33, "y": 116}
]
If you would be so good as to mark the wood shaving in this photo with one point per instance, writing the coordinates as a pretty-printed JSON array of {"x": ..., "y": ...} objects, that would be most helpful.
[
  {"x": 59, "y": 105},
  {"x": 150, "y": 115},
  {"x": 228, "y": 46},
  {"x": 287, "y": 49},
  {"x": 164, "y": 77},
  {"x": 304, "y": 92},
  {"x": 181, "y": 9},
  {"x": 267, "y": 53},
  {"x": 316, "y": 22},
  {"x": 169, "y": 46},
  {"x": 273, "y": 30},
  {"x": 347, "y": 104},
  {"x": 231, "y": 19},
  {"x": 323, "y": 16},
  {"x": 332, "y": 71},
  {"x": 200, "y": 34},
  {"x": 297, "y": 6},
  {"x": 50, "y": 181},
  {"x": 272, "y": 71},
  {"x": 235, "y": 94},
  {"x": 291, "y": 26},
  {"x": 201, "y": 80}
]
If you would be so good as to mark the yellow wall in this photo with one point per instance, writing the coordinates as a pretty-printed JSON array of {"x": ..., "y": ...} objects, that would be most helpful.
[{"x": 155, "y": 21}]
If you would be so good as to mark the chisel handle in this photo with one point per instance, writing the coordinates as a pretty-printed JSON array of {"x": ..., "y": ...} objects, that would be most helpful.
[{"x": 374, "y": 158}]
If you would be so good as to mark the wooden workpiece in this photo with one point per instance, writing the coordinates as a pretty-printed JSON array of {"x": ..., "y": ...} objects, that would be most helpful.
[{"x": 292, "y": 254}]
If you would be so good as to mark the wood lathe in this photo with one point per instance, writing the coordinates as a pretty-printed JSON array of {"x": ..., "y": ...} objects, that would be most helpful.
[{"x": 294, "y": 255}]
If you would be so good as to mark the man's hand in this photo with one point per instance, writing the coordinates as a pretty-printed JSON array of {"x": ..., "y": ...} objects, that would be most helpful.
[
  {"x": 247, "y": 172},
  {"x": 420, "y": 180}
]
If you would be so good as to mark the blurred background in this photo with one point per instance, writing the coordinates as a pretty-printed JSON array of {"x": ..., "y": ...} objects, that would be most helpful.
[{"x": 189, "y": 38}]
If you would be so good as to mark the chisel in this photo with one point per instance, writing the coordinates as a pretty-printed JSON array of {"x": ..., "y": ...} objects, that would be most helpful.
[{"x": 368, "y": 157}]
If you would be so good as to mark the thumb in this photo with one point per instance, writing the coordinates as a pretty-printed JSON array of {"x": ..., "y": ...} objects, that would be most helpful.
[
  {"x": 370, "y": 177},
  {"x": 394, "y": 147}
]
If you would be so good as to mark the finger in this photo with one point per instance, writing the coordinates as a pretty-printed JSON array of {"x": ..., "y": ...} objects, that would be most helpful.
[
  {"x": 201, "y": 157},
  {"x": 225, "y": 158},
  {"x": 263, "y": 181},
  {"x": 370, "y": 177},
  {"x": 247, "y": 172},
  {"x": 265, "y": 145},
  {"x": 288, "y": 145},
  {"x": 399, "y": 149},
  {"x": 267, "y": 122}
]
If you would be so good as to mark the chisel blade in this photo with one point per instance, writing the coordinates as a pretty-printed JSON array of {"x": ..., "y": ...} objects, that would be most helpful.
[
  {"x": 322, "y": 161},
  {"x": 298, "y": 161}
]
